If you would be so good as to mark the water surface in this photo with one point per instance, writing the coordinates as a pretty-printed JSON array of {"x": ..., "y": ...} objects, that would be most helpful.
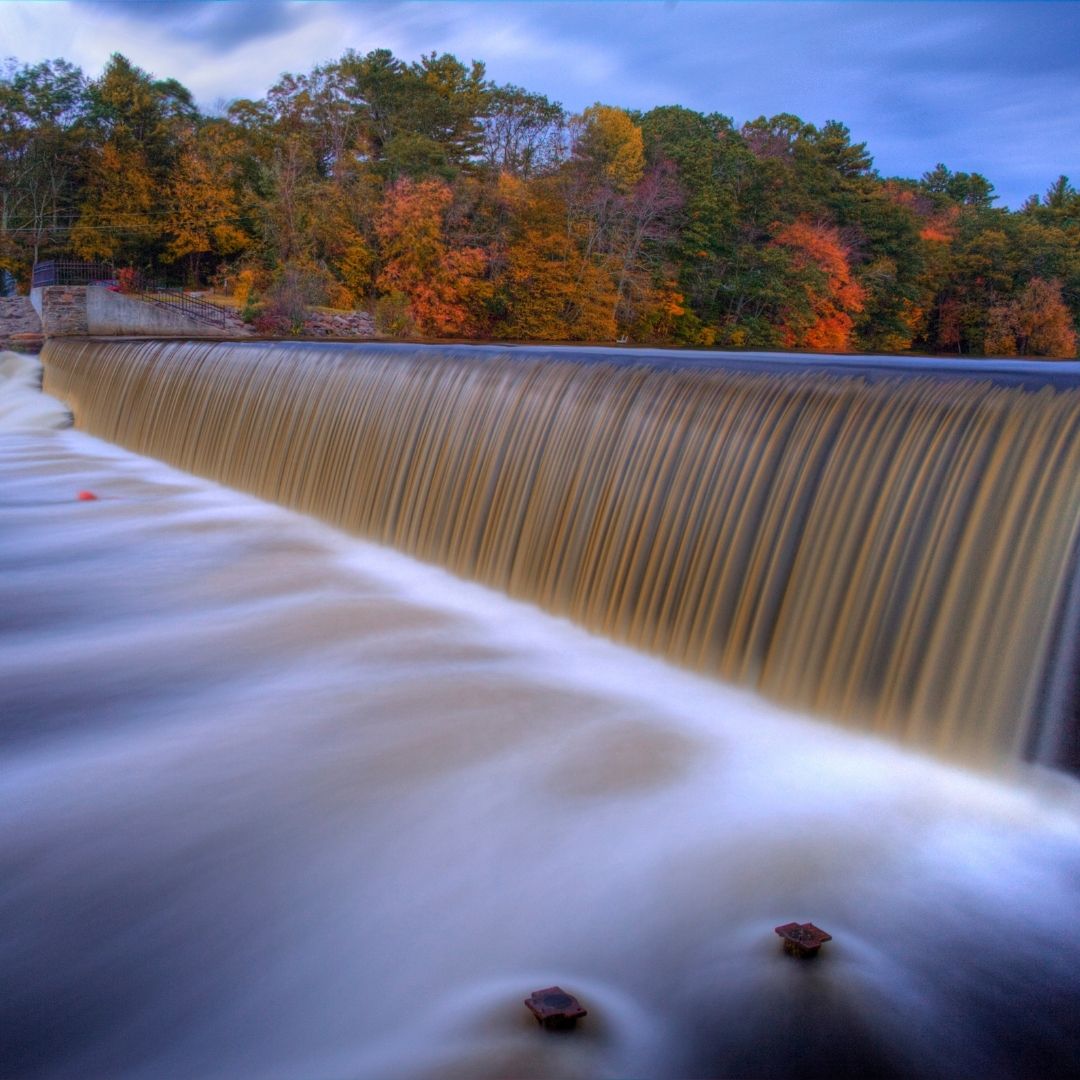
[{"x": 275, "y": 802}]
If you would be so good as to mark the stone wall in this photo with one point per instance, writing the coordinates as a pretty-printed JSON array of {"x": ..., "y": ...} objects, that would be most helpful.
[
  {"x": 19, "y": 323},
  {"x": 96, "y": 311},
  {"x": 62, "y": 309}
]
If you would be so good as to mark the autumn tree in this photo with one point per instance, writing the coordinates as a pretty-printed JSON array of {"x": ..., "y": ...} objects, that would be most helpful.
[
  {"x": 290, "y": 201},
  {"x": 638, "y": 242},
  {"x": 445, "y": 286},
  {"x": 620, "y": 209},
  {"x": 203, "y": 215},
  {"x": 551, "y": 289},
  {"x": 138, "y": 124},
  {"x": 117, "y": 217},
  {"x": 823, "y": 297},
  {"x": 981, "y": 273},
  {"x": 523, "y": 132},
  {"x": 313, "y": 109},
  {"x": 608, "y": 148},
  {"x": 43, "y": 150},
  {"x": 1048, "y": 231},
  {"x": 1036, "y": 323},
  {"x": 311, "y": 184}
]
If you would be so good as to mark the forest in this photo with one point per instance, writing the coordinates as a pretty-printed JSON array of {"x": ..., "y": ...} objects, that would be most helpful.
[{"x": 452, "y": 207}]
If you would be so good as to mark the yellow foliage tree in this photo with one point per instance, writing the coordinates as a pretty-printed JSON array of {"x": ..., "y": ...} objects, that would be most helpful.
[
  {"x": 610, "y": 145},
  {"x": 355, "y": 264},
  {"x": 552, "y": 289},
  {"x": 116, "y": 214},
  {"x": 202, "y": 211}
]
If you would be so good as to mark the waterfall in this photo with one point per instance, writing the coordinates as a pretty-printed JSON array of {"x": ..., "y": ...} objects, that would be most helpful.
[{"x": 891, "y": 550}]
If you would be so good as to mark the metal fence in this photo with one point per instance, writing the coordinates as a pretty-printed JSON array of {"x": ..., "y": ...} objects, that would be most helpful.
[{"x": 72, "y": 272}]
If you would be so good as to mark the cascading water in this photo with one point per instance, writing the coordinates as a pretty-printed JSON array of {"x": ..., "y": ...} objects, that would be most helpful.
[
  {"x": 280, "y": 803},
  {"x": 893, "y": 552}
]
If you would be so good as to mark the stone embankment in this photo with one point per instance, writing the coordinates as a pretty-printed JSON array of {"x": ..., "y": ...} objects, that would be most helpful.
[
  {"x": 20, "y": 326},
  {"x": 234, "y": 325},
  {"x": 343, "y": 324}
]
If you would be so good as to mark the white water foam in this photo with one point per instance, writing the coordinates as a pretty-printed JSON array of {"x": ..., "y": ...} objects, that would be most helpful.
[{"x": 23, "y": 407}]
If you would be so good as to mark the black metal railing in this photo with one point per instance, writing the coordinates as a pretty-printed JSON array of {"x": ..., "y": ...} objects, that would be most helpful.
[
  {"x": 72, "y": 272},
  {"x": 136, "y": 283},
  {"x": 175, "y": 299}
]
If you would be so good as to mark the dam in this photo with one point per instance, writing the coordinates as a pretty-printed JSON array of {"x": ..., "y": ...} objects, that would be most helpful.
[
  {"x": 893, "y": 550},
  {"x": 548, "y": 667}
]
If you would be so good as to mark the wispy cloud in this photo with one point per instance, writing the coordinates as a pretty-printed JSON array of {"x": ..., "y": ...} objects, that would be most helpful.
[{"x": 992, "y": 87}]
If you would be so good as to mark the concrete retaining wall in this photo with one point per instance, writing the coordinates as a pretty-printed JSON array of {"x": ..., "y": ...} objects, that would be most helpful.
[
  {"x": 81, "y": 310},
  {"x": 110, "y": 313}
]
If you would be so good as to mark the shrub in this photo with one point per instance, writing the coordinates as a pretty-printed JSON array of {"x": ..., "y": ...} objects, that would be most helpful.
[
  {"x": 274, "y": 324},
  {"x": 288, "y": 300},
  {"x": 393, "y": 316},
  {"x": 244, "y": 287},
  {"x": 338, "y": 296},
  {"x": 127, "y": 279}
]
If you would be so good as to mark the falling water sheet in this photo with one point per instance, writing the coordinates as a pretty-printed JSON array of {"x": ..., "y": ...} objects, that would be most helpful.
[{"x": 891, "y": 550}]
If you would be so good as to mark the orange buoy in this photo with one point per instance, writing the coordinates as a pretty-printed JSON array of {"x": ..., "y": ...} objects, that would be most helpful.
[{"x": 86, "y": 496}]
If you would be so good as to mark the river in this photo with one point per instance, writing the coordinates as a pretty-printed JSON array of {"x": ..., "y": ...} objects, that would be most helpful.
[{"x": 278, "y": 802}]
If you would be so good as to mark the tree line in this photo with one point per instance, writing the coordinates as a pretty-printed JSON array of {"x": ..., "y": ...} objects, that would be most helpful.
[{"x": 454, "y": 207}]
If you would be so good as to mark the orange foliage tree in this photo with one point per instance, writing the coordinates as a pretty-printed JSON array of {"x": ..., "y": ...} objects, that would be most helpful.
[
  {"x": 1035, "y": 323},
  {"x": 445, "y": 287},
  {"x": 660, "y": 313},
  {"x": 817, "y": 313}
]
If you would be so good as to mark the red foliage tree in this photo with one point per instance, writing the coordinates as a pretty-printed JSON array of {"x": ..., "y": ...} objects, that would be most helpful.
[{"x": 823, "y": 294}]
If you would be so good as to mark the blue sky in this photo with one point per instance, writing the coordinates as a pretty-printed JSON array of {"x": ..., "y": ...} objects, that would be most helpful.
[{"x": 989, "y": 87}]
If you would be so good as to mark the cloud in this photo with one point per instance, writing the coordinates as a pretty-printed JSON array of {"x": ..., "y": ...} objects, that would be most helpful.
[
  {"x": 220, "y": 28},
  {"x": 990, "y": 87}
]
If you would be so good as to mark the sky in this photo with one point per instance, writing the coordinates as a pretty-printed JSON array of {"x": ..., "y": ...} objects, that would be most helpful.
[{"x": 985, "y": 87}]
